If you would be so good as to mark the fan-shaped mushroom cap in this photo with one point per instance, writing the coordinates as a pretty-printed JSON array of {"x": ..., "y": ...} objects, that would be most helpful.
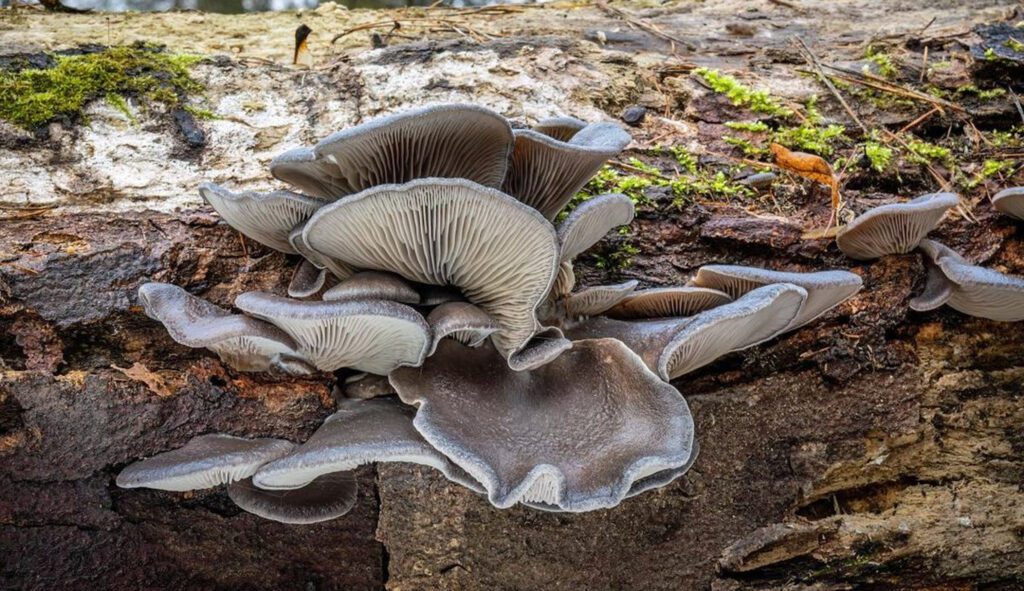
[
  {"x": 595, "y": 300},
  {"x": 307, "y": 279},
  {"x": 328, "y": 497},
  {"x": 204, "y": 462},
  {"x": 336, "y": 268},
  {"x": 543, "y": 348},
  {"x": 374, "y": 336},
  {"x": 545, "y": 173},
  {"x": 461, "y": 321},
  {"x": 361, "y": 432},
  {"x": 667, "y": 302},
  {"x": 244, "y": 343},
  {"x": 591, "y": 221},
  {"x": 560, "y": 128},
  {"x": 575, "y": 433},
  {"x": 444, "y": 141},
  {"x": 825, "y": 289},
  {"x": 1010, "y": 201},
  {"x": 894, "y": 229},
  {"x": 373, "y": 285},
  {"x": 646, "y": 338},
  {"x": 970, "y": 289},
  {"x": 267, "y": 218},
  {"x": 501, "y": 254}
]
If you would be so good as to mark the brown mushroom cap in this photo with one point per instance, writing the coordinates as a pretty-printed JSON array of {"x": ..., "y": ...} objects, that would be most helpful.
[
  {"x": 267, "y": 218},
  {"x": 591, "y": 221},
  {"x": 575, "y": 433},
  {"x": 667, "y": 302},
  {"x": 500, "y": 253},
  {"x": 973, "y": 290},
  {"x": 894, "y": 229},
  {"x": 597, "y": 299},
  {"x": 1010, "y": 201},
  {"x": 373, "y": 285},
  {"x": 328, "y": 497},
  {"x": 444, "y": 141}
]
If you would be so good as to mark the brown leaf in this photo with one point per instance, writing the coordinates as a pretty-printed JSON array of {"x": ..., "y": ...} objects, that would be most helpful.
[
  {"x": 810, "y": 167},
  {"x": 141, "y": 373}
]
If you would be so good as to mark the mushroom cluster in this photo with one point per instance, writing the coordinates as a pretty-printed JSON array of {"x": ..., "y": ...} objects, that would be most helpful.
[{"x": 436, "y": 284}]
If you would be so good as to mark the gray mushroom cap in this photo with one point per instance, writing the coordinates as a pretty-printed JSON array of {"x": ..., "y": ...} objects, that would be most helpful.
[
  {"x": 461, "y": 321},
  {"x": 546, "y": 173},
  {"x": 543, "y": 348},
  {"x": 591, "y": 221},
  {"x": 825, "y": 289},
  {"x": 373, "y": 285},
  {"x": 560, "y": 128},
  {"x": 307, "y": 279},
  {"x": 243, "y": 343},
  {"x": 501, "y": 254},
  {"x": 1010, "y": 201},
  {"x": 968, "y": 288},
  {"x": 597, "y": 299},
  {"x": 328, "y": 497},
  {"x": 267, "y": 218},
  {"x": 337, "y": 268},
  {"x": 575, "y": 433},
  {"x": 444, "y": 141},
  {"x": 205, "y": 461},
  {"x": 894, "y": 229},
  {"x": 361, "y": 432},
  {"x": 667, "y": 302},
  {"x": 374, "y": 336}
]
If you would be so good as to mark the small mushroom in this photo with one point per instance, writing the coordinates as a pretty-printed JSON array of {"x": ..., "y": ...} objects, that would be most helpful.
[
  {"x": 667, "y": 302},
  {"x": 970, "y": 289},
  {"x": 894, "y": 229},
  {"x": 595, "y": 300},
  {"x": 373, "y": 285},
  {"x": 448, "y": 141},
  {"x": 328, "y": 497},
  {"x": 244, "y": 343},
  {"x": 306, "y": 280},
  {"x": 267, "y": 218},
  {"x": 546, "y": 173},
  {"x": 591, "y": 221},
  {"x": 574, "y": 434},
  {"x": 501, "y": 254},
  {"x": 1010, "y": 201},
  {"x": 374, "y": 336},
  {"x": 560, "y": 128},
  {"x": 461, "y": 321},
  {"x": 825, "y": 289},
  {"x": 205, "y": 461},
  {"x": 361, "y": 432},
  {"x": 543, "y": 348}
]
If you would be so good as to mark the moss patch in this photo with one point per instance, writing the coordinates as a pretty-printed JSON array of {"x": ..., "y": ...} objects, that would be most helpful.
[
  {"x": 33, "y": 97},
  {"x": 758, "y": 101}
]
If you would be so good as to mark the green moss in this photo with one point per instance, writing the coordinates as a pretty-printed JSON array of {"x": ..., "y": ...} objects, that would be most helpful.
[
  {"x": 746, "y": 146},
  {"x": 985, "y": 95},
  {"x": 879, "y": 155},
  {"x": 991, "y": 55},
  {"x": 886, "y": 68},
  {"x": 33, "y": 97},
  {"x": 1014, "y": 45},
  {"x": 684, "y": 158},
  {"x": 923, "y": 152},
  {"x": 811, "y": 138},
  {"x": 1013, "y": 138},
  {"x": 203, "y": 114},
  {"x": 118, "y": 102},
  {"x": 759, "y": 101},
  {"x": 706, "y": 185},
  {"x": 620, "y": 258},
  {"x": 991, "y": 168},
  {"x": 751, "y": 126}
]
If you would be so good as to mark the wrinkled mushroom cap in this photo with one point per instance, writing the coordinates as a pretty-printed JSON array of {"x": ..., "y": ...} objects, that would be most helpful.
[
  {"x": 267, "y": 218},
  {"x": 575, "y": 433},
  {"x": 444, "y": 141},
  {"x": 501, "y": 254},
  {"x": 328, "y": 497},
  {"x": 666, "y": 302},
  {"x": 374, "y": 336},
  {"x": 591, "y": 221},
  {"x": 894, "y": 229},
  {"x": 373, "y": 285},
  {"x": 971, "y": 289},
  {"x": 1010, "y": 201},
  {"x": 205, "y": 461}
]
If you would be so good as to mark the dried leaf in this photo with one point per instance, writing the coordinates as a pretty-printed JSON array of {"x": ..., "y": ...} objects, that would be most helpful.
[
  {"x": 141, "y": 373},
  {"x": 810, "y": 167}
]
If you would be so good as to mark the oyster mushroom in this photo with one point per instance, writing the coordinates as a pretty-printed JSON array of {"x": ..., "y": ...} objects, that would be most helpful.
[
  {"x": 591, "y": 221},
  {"x": 501, "y": 254},
  {"x": 1010, "y": 201},
  {"x": 336, "y": 268},
  {"x": 267, "y": 218},
  {"x": 667, "y": 302},
  {"x": 244, "y": 343},
  {"x": 447, "y": 141},
  {"x": 894, "y": 229},
  {"x": 307, "y": 279},
  {"x": 328, "y": 497},
  {"x": 560, "y": 128},
  {"x": 970, "y": 289},
  {"x": 545, "y": 173},
  {"x": 373, "y": 285},
  {"x": 575, "y": 434},
  {"x": 595, "y": 300},
  {"x": 461, "y": 321},
  {"x": 374, "y": 336}
]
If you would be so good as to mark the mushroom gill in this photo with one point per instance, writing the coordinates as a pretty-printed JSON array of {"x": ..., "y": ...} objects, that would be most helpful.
[
  {"x": 267, "y": 218},
  {"x": 896, "y": 228},
  {"x": 1010, "y": 201},
  {"x": 968, "y": 288}
]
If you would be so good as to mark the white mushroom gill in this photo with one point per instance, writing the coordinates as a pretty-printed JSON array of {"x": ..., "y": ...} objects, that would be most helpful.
[
  {"x": 267, "y": 218},
  {"x": 894, "y": 229}
]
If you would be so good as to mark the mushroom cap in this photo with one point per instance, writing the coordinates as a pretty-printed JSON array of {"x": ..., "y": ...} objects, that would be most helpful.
[
  {"x": 244, "y": 343},
  {"x": 361, "y": 432},
  {"x": 336, "y": 268},
  {"x": 546, "y": 173},
  {"x": 895, "y": 228},
  {"x": 575, "y": 433},
  {"x": 307, "y": 279},
  {"x": 591, "y": 221},
  {"x": 373, "y": 285},
  {"x": 267, "y": 218},
  {"x": 543, "y": 348},
  {"x": 1010, "y": 201},
  {"x": 974, "y": 290},
  {"x": 825, "y": 289},
  {"x": 328, "y": 497},
  {"x": 205, "y": 461},
  {"x": 461, "y": 321},
  {"x": 667, "y": 302},
  {"x": 595, "y": 300},
  {"x": 500, "y": 253},
  {"x": 444, "y": 141},
  {"x": 560, "y": 128},
  {"x": 374, "y": 336}
]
